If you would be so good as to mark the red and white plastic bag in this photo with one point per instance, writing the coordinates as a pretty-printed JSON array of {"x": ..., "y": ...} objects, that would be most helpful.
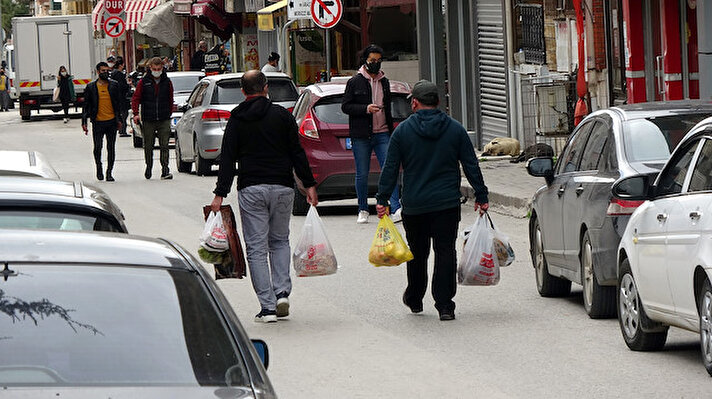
[
  {"x": 313, "y": 255},
  {"x": 479, "y": 264},
  {"x": 214, "y": 236}
]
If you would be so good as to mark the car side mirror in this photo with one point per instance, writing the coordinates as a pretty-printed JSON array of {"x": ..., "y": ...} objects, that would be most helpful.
[
  {"x": 634, "y": 188},
  {"x": 542, "y": 167},
  {"x": 183, "y": 107},
  {"x": 262, "y": 351}
]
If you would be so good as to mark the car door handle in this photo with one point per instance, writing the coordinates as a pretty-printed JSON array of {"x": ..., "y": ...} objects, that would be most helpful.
[
  {"x": 560, "y": 191},
  {"x": 662, "y": 217},
  {"x": 694, "y": 215},
  {"x": 579, "y": 190}
]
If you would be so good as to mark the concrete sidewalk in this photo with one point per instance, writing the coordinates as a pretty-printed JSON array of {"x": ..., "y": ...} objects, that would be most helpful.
[{"x": 511, "y": 188}]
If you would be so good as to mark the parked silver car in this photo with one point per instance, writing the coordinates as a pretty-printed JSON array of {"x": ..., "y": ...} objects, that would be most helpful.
[
  {"x": 576, "y": 223},
  {"x": 199, "y": 132},
  {"x": 183, "y": 85},
  {"x": 26, "y": 163}
]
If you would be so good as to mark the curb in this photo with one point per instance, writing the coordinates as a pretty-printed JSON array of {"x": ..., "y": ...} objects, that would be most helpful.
[{"x": 502, "y": 203}]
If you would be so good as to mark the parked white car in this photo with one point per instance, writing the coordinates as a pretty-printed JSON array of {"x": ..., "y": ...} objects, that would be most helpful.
[{"x": 665, "y": 254}]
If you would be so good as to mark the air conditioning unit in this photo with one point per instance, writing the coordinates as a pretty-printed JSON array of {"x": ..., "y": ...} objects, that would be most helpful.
[{"x": 552, "y": 116}]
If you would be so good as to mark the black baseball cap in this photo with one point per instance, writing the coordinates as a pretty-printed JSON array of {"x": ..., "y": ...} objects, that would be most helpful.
[{"x": 425, "y": 91}]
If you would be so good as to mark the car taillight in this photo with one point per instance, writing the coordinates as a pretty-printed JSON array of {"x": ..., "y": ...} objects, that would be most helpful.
[
  {"x": 308, "y": 127},
  {"x": 290, "y": 109},
  {"x": 175, "y": 107},
  {"x": 80, "y": 100},
  {"x": 620, "y": 207},
  {"x": 30, "y": 101},
  {"x": 214, "y": 115}
]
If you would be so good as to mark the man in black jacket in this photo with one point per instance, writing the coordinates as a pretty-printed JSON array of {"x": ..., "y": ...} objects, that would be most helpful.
[
  {"x": 197, "y": 63},
  {"x": 102, "y": 102},
  {"x": 154, "y": 94},
  {"x": 119, "y": 75},
  {"x": 263, "y": 138},
  {"x": 367, "y": 102}
]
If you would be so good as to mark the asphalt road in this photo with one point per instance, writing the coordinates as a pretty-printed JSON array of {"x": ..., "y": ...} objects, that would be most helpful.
[{"x": 349, "y": 336}]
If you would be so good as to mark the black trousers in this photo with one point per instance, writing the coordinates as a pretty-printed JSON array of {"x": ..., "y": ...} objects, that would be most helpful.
[
  {"x": 65, "y": 108},
  {"x": 440, "y": 228},
  {"x": 99, "y": 130}
]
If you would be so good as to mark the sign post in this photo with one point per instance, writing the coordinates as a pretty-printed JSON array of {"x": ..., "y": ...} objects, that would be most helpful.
[{"x": 326, "y": 14}]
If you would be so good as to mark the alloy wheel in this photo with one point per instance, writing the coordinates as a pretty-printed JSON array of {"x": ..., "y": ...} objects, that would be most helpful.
[
  {"x": 539, "y": 258},
  {"x": 706, "y": 326},
  {"x": 629, "y": 306},
  {"x": 587, "y": 278}
]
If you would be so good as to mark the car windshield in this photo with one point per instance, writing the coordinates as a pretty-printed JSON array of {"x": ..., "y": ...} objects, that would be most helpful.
[
  {"x": 229, "y": 91},
  {"x": 47, "y": 220},
  {"x": 184, "y": 83},
  {"x": 653, "y": 139},
  {"x": 107, "y": 325},
  {"x": 328, "y": 109}
]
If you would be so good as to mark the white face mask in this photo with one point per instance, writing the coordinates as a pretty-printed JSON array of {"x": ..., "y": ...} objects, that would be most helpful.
[
  {"x": 156, "y": 74},
  {"x": 64, "y": 73},
  {"x": 111, "y": 64}
]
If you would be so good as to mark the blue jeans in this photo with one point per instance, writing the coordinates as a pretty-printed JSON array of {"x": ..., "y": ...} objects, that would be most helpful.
[{"x": 362, "y": 148}]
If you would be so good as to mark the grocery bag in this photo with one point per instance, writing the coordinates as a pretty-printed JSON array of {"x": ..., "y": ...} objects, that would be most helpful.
[
  {"x": 388, "y": 247},
  {"x": 502, "y": 249},
  {"x": 228, "y": 264},
  {"x": 313, "y": 255},
  {"x": 214, "y": 236},
  {"x": 478, "y": 264}
]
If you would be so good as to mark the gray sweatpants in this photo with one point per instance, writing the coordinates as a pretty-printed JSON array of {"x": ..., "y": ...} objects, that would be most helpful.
[{"x": 265, "y": 210}]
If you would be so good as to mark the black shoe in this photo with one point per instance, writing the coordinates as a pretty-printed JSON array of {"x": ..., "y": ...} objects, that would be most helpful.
[
  {"x": 282, "y": 305},
  {"x": 147, "y": 173},
  {"x": 414, "y": 309},
  {"x": 166, "y": 176},
  {"x": 99, "y": 174},
  {"x": 447, "y": 315},
  {"x": 266, "y": 316},
  {"x": 109, "y": 177}
]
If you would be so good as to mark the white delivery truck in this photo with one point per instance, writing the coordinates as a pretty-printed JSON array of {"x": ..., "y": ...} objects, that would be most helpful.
[{"x": 42, "y": 45}]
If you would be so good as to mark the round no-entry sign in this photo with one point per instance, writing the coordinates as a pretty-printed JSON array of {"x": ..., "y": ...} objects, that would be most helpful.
[
  {"x": 114, "y": 6},
  {"x": 326, "y": 13},
  {"x": 114, "y": 26}
]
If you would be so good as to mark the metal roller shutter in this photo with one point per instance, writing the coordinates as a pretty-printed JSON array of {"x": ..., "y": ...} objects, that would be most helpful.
[{"x": 491, "y": 69}]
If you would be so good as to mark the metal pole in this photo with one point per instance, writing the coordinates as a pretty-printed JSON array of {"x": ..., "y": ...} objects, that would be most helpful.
[
  {"x": 328, "y": 55},
  {"x": 233, "y": 53},
  {"x": 283, "y": 44},
  {"x": 704, "y": 43}
]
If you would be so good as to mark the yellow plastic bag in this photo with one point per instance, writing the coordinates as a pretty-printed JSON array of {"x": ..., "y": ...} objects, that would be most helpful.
[{"x": 388, "y": 247}]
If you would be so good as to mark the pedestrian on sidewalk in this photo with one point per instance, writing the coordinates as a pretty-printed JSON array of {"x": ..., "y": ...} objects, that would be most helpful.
[
  {"x": 367, "y": 102},
  {"x": 430, "y": 147},
  {"x": 65, "y": 82},
  {"x": 197, "y": 63},
  {"x": 154, "y": 95},
  {"x": 101, "y": 105},
  {"x": 263, "y": 138},
  {"x": 272, "y": 64},
  {"x": 4, "y": 91},
  {"x": 119, "y": 75}
]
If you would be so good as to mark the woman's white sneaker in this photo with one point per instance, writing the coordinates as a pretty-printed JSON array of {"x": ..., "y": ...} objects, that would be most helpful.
[{"x": 362, "y": 217}]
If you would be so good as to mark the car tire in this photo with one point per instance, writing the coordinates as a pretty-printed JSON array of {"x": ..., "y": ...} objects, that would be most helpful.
[
  {"x": 137, "y": 141},
  {"x": 704, "y": 304},
  {"x": 202, "y": 165},
  {"x": 598, "y": 301},
  {"x": 182, "y": 166},
  {"x": 632, "y": 318},
  {"x": 546, "y": 284},
  {"x": 300, "y": 207}
]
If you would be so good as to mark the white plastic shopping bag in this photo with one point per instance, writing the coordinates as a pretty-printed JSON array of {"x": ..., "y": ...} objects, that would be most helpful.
[
  {"x": 214, "y": 236},
  {"x": 313, "y": 255},
  {"x": 502, "y": 249},
  {"x": 479, "y": 264}
]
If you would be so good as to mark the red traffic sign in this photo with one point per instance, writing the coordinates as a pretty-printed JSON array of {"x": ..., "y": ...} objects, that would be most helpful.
[
  {"x": 114, "y": 26},
  {"x": 114, "y": 6},
  {"x": 326, "y": 13}
]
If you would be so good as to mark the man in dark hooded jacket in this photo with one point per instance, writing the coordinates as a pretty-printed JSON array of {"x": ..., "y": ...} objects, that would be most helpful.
[
  {"x": 430, "y": 146},
  {"x": 263, "y": 138}
]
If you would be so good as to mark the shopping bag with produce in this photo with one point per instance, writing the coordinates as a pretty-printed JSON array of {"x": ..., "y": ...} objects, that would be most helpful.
[
  {"x": 502, "y": 249},
  {"x": 229, "y": 263},
  {"x": 313, "y": 255},
  {"x": 478, "y": 264},
  {"x": 214, "y": 236},
  {"x": 388, "y": 247}
]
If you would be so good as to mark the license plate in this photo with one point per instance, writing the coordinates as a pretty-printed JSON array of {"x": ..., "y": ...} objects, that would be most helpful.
[
  {"x": 175, "y": 121},
  {"x": 348, "y": 143}
]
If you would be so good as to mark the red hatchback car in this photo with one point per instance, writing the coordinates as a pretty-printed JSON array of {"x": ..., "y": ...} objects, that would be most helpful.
[{"x": 324, "y": 134}]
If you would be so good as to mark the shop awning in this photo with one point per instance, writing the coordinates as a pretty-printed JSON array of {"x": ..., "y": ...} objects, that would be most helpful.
[
  {"x": 162, "y": 24},
  {"x": 135, "y": 10},
  {"x": 211, "y": 14},
  {"x": 265, "y": 20}
]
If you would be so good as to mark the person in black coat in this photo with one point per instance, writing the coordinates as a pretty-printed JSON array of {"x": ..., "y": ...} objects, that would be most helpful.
[
  {"x": 367, "y": 102},
  {"x": 119, "y": 75},
  {"x": 65, "y": 82},
  {"x": 101, "y": 104},
  {"x": 197, "y": 63}
]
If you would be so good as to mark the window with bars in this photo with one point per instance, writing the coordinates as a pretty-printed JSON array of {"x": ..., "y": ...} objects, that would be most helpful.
[{"x": 531, "y": 17}]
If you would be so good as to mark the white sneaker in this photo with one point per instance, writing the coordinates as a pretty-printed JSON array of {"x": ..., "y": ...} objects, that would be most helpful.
[
  {"x": 66, "y": 120},
  {"x": 283, "y": 307},
  {"x": 396, "y": 216},
  {"x": 362, "y": 217},
  {"x": 266, "y": 316}
]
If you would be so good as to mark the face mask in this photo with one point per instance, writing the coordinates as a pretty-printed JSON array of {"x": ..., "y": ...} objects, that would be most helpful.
[
  {"x": 111, "y": 64},
  {"x": 64, "y": 73},
  {"x": 156, "y": 74},
  {"x": 373, "y": 67},
  {"x": 104, "y": 76}
]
